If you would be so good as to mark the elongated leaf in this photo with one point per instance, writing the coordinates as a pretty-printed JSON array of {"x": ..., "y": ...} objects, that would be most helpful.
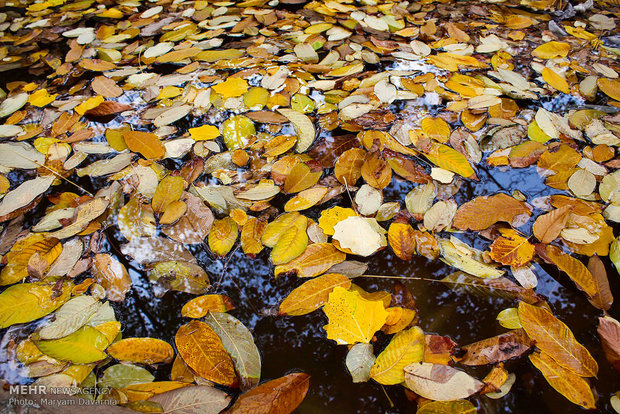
[
  {"x": 482, "y": 212},
  {"x": 141, "y": 350},
  {"x": 279, "y": 396},
  {"x": 451, "y": 160},
  {"x": 556, "y": 339},
  {"x": 500, "y": 287},
  {"x": 70, "y": 317},
  {"x": 576, "y": 270},
  {"x": 239, "y": 343},
  {"x": 447, "y": 407},
  {"x": 497, "y": 348},
  {"x": 83, "y": 346},
  {"x": 440, "y": 382},
  {"x": 603, "y": 298},
  {"x": 609, "y": 332},
  {"x": 29, "y": 301},
  {"x": 198, "y": 307},
  {"x": 312, "y": 294},
  {"x": 303, "y": 126},
  {"x": 123, "y": 375},
  {"x": 290, "y": 245},
  {"x": 190, "y": 400},
  {"x": 405, "y": 348},
  {"x": 316, "y": 259},
  {"x": 203, "y": 351},
  {"x": 547, "y": 227},
  {"x": 564, "y": 381},
  {"x": 23, "y": 195}
]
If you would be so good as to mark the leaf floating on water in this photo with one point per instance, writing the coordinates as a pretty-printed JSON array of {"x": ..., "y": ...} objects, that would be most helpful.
[
  {"x": 239, "y": 343},
  {"x": 83, "y": 346},
  {"x": 203, "y": 351},
  {"x": 303, "y": 126},
  {"x": 278, "y": 396},
  {"x": 26, "y": 302},
  {"x": 609, "y": 332},
  {"x": 141, "y": 351},
  {"x": 440, "y": 382},
  {"x": 352, "y": 318},
  {"x": 122, "y": 375},
  {"x": 482, "y": 212},
  {"x": 405, "y": 348},
  {"x": 447, "y": 407},
  {"x": 313, "y": 294},
  {"x": 499, "y": 287},
  {"x": 200, "y": 398},
  {"x": 566, "y": 382},
  {"x": 359, "y": 362},
  {"x": 553, "y": 337},
  {"x": 497, "y": 349},
  {"x": 23, "y": 195},
  {"x": 70, "y": 317},
  {"x": 201, "y": 305}
]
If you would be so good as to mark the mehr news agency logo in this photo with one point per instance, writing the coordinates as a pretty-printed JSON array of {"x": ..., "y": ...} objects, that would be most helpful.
[{"x": 19, "y": 395}]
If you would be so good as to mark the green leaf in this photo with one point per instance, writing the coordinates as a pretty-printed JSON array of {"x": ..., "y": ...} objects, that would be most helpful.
[
  {"x": 29, "y": 301},
  {"x": 83, "y": 346},
  {"x": 121, "y": 376},
  {"x": 239, "y": 343}
]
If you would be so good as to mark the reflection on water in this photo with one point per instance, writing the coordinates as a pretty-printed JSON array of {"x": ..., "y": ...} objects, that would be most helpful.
[{"x": 299, "y": 343}]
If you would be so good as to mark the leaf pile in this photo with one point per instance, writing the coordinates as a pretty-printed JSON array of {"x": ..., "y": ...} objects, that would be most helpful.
[{"x": 284, "y": 132}]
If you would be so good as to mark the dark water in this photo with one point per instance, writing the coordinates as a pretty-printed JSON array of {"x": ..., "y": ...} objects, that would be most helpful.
[{"x": 299, "y": 343}]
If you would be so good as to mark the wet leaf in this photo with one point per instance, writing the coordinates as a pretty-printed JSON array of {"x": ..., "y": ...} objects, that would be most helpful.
[
  {"x": 26, "y": 302},
  {"x": 222, "y": 236},
  {"x": 194, "y": 226},
  {"x": 566, "y": 382},
  {"x": 239, "y": 343},
  {"x": 482, "y": 212},
  {"x": 359, "y": 235},
  {"x": 83, "y": 346},
  {"x": 405, "y": 348},
  {"x": 359, "y": 362},
  {"x": 609, "y": 332},
  {"x": 576, "y": 270},
  {"x": 547, "y": 227},
  {"x": 112, "y": 275},
  {"x": 497, "y": 349},
  {"x": 145, "y": 143},
  {"x": 552, "y": 336},
  {"x": 201, "y": 305},
  {"x": 123, "y": 375},
  {"x": 401, "y": 239},
  {"x": 203, "y": 351},
  {"x": 352, "y": 318},
  {"x": 303, "y": 126},
  {"x": 23, "y": 195},
  {"x": 512, "y": 249},
  {"x": 169, "y": 190},
  {"x": 348, "y": 167},
  {"x": 180, "y": 276},
  {"x": 440, "y": 382},
  {"x": 313, "y": 294},
  {"x": 141, "y": 351},
  {"x": 279, "y": 396},
  {"x": 603, "y": 298},
  {"x": 187, "y": 400},
  {"x": 315, "y": 260},
  {"x": 70, "y": 317}
]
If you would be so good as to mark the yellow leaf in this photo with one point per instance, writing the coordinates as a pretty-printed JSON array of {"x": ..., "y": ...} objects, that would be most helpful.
[
  {"x": 26, "y": 302},
  {"x": 290, "y": 245},
  {"x": 276, "y": 228},
  {"x": 551, "y": 50},
  {"x": 405, "y": 348},
  {"x": 316, "y": 259},
  {"x": 201, "y": 305},
  {"x": 169, "y": 190},
  {"x": 306, "y": 199},
  {"x": 146, "y": 143},
  {"x": 45, "y": 247},
  {"x": 136, "y": 219},
  {"x": 203, "y": 351},
  {"x": 555, "y": 80},
  {"x": 231, "y": 87},
  {"x": 301, "y": 178},
  {"x": 313, "y": 294},
  {"x": 348, "y": 167},
  {"x": 88, "y": 104},
  {"x": 553, "y": 337},
  {"x": 576, "y": 270},
  {"x": 611, "y": 87},
  {"x": 83, "y": 346},
  {"x": 450, "y": 159},
  {"x": 236, "y": 131},
  {"x": 400, "y": 237},
  {"x": 141, "y": 351},
  {"x": 303, "y": 127},
  {"x": 223, "y": 235},
  {"x": 251, "y": 234},
  {"x": 352, "y": 319},
  {"x": 204, "y": 132},
  {"x": 436, "y": 128},
  {"x": 512, "y": 249},
  {"x": 41, "y": 98},
  {"x": 332, "y": 216},
  {"x": 564, "y": 381}
]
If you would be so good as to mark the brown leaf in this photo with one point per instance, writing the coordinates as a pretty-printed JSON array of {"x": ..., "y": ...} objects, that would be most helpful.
[
  {"x": 316, "y": 259},
  {"x": 112, "y": 275},
  {"x": 106, "y": 87},
  {"x": 482, "y": 212},
  {"x": 401, "y": 239},
  {"x": 146, "y": 143},
  {"x": 547, "y": 227},
  {"x": 438, "y": 349},
  {"x": 602, "y": 299},
  {"x": 279, "y": 396},
  {"x": 194, "y": 226},
  {"x": 106, "y": 108},
  {"x": 576, "y": 270},
  {"x": 497, "y": 349},
  {"x": 609, "y": 332},
  {"x": 348, "y": 167},
  {"x": 376, "y": 171}
]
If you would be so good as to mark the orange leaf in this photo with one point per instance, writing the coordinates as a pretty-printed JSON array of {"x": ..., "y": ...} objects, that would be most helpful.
[
  {"x": 279, "y": 396},
  {"x": 312, "y": 294},
  {"x": 145, "y": 143},
  {"x": 401, "y": 238},
  {"x": 141, "y": 350},
  {"x": 482, "y": 212},
  {"x": 512, "y": 249},
  {"x": 576, "y": 270},
  {"x": 202, "y": 351},
  {"x": 547, "y": 227}
]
